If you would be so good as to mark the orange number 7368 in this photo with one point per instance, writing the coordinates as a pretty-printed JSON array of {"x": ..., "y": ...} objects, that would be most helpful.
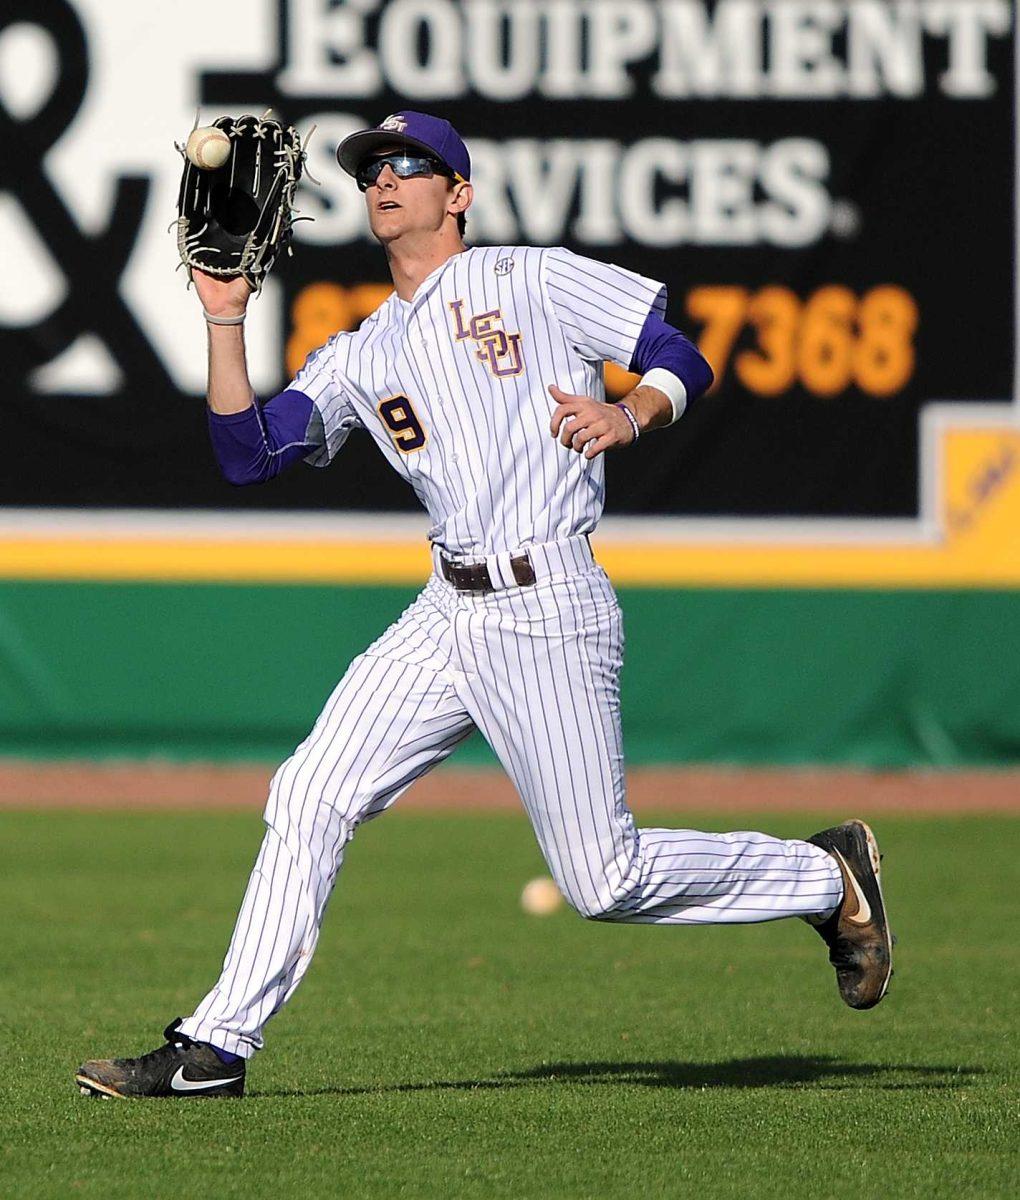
[{"x": 828, "y": 342}]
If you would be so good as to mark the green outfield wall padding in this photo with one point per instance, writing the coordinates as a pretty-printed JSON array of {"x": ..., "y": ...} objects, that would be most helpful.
[{"x": 876, "y": 679}]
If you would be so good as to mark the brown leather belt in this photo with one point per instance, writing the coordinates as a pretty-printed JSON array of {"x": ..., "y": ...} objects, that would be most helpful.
[{"x": 475, "y": 577}]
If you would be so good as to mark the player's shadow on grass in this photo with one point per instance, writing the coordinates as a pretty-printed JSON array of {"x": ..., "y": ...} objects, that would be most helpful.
[{"x": 781, "y": 1070}]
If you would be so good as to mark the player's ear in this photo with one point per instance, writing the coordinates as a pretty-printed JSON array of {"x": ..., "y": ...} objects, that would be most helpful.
[{"x": 462, "y": 196}]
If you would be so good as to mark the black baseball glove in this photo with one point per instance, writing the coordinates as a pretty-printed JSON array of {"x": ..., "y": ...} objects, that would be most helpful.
[{"x": 237, "y": 219}]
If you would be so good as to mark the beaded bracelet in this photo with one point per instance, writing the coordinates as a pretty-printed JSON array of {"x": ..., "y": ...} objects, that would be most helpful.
[{"x": 630, "y": 417}]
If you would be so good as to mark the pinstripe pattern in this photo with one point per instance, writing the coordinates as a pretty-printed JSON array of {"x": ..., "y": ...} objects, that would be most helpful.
[
  {"x": 536, "y": 669},
  {"x": 490, "y": 476}
]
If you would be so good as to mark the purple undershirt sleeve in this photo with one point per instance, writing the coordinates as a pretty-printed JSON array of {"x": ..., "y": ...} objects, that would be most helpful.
[
  {"x": 660, "y": 345},
  {"x": 257, "y": 444}
]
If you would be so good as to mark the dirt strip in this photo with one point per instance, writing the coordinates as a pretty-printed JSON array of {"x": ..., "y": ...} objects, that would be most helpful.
[{"x": 154, "y": 785}]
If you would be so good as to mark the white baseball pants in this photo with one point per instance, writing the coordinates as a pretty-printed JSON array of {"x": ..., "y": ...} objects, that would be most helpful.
[{"x": 536, "y": 669}]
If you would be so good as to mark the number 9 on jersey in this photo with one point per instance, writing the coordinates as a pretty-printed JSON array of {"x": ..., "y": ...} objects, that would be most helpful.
[{"x": 401, "y": 420}]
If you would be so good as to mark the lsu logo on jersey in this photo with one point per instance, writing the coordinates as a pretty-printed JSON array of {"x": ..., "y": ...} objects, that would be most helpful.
[{"x": 499, "y": 350}]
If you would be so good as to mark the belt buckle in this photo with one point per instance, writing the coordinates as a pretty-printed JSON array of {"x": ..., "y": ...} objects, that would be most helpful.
[
  {"x": 467, "y": 577},
  {"x": 476, "y": 577},
  {"x": 451, "y": 571}
]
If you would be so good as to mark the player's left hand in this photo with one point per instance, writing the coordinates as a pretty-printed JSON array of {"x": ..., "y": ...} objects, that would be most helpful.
[{"x": 588, "y": 426}]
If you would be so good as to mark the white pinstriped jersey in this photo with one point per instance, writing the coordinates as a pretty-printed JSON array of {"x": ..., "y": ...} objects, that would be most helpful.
[{"x": 452, "y": 385}]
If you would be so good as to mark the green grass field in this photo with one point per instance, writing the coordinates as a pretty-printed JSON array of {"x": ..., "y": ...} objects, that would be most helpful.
[{"x": 443, "y": 1044}]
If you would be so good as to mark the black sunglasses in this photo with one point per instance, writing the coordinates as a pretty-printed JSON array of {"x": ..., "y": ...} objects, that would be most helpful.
[{"x": 405, "y": 166}]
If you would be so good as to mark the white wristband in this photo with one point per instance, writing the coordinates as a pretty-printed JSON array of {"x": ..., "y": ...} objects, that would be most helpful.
[
  {"x": 223, "y": 320},
  {"x": 672, "y": 385}
]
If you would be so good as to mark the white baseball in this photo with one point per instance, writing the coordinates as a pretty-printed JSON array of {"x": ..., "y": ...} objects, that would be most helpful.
[
  {"x": 541, "y": 897},
  {"x": 208, "y": 147}
]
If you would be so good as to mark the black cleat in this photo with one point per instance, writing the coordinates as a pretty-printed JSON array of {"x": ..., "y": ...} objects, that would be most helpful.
[
  {"x": 857, "y": 933},
  {"x": 180, "y": 1068}
]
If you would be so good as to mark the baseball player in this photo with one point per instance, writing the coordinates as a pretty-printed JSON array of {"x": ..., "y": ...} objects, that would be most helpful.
[{"x": 481, "y": 381}]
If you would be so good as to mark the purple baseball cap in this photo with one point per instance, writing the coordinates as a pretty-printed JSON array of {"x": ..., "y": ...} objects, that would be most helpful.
[{"x": 415, "y": 130}]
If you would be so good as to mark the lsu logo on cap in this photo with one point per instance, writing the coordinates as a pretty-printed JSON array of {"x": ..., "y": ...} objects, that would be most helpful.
[{"x": 394, "y": 124}]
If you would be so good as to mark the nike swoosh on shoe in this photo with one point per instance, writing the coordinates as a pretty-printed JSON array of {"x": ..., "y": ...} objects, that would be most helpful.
[
  {"x": 180, "y": 1084},
  {"x": 863, "y": 914}
]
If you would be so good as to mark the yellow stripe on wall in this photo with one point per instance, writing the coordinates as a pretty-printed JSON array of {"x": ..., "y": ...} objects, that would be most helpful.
[{"x": 215, "y": 560}]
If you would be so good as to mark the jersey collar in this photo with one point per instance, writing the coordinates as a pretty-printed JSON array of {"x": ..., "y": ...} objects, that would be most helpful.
[{"x": 427, "y": 283}]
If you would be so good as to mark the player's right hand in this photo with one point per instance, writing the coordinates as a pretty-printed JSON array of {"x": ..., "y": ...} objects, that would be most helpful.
[{"x": 222, "y": 297}]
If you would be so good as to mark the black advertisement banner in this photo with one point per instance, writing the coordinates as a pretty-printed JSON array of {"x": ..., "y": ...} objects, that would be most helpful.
[{"x": 826, "y": 186}]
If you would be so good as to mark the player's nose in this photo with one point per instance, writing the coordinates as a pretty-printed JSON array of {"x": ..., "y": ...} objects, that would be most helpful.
[{"x": 388, "y": 178}]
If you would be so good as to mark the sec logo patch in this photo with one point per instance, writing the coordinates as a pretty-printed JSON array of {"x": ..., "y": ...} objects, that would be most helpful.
[{"x": 504, "y": 266}]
